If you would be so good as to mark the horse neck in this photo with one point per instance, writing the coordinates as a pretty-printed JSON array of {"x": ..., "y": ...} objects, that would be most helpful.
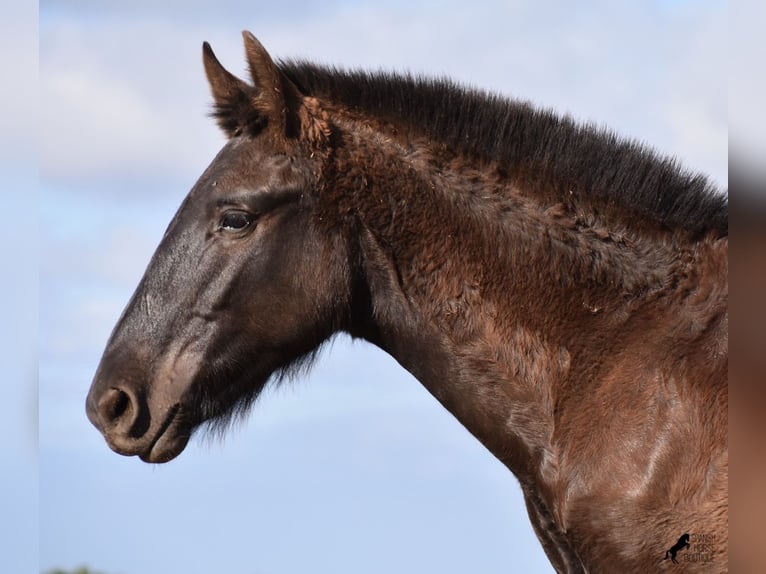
[
  {"x": 486, "y": 296},
  {"x": 519, "y": 316}
]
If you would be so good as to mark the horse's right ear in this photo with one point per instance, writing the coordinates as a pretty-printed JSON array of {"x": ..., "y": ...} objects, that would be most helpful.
[
  {"x": 233, "y": 99},
  {"x": 272, "y": 100},
  {"x": 291, "y": 113}
]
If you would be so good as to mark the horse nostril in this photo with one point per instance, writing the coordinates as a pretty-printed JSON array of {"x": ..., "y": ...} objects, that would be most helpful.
[
  {"x": 121, "y": 405},
  {"x": 117, "y": 407},
  {"x": 122, "y": 411}
]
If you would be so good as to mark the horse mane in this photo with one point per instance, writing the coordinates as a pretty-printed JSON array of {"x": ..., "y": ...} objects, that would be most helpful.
[{"x": 570, "y": 162}]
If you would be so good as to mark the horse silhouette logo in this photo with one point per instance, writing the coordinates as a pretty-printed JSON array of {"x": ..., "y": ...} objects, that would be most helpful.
[{"x": 682, "y": 543}]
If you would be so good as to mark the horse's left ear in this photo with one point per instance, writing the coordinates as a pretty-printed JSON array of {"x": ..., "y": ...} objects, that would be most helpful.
[
  {"x": 289, "y": 111},
  {"x": 232, "y": 97}
]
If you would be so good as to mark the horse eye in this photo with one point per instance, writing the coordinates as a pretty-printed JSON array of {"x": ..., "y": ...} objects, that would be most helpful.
[{"x": 235, "y": 221}]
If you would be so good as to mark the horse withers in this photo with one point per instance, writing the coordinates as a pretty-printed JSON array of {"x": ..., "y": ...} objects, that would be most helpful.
[{"x": 562, "y": 291}]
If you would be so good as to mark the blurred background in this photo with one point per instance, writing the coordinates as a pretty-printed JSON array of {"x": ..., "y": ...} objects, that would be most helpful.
[
  {"x": 355, "y": 468},
  {"x": 747, "y": 369}
]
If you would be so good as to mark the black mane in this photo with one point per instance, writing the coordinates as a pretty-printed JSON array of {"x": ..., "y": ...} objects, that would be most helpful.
[{"x": 574, "y": 159}]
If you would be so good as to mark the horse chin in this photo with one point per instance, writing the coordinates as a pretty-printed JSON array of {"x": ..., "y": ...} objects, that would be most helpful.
[
  {"x": 165, "y": 449},
  {"x": 169, "y": 441}
]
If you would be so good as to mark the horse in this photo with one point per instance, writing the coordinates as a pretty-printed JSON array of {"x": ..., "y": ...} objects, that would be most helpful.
[
  {"x": 683, "y": 542},
  {"x": 560, "y": 289}
]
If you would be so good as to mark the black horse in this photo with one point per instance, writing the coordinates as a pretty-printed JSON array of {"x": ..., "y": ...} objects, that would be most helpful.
[
  {"x": 682, "y": 543},
  {"x": 562, "y": 291}
]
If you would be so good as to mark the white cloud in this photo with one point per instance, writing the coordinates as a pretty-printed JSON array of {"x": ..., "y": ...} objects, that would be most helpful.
[
  {"x": 694, "y": 106},
  {"x": 119, "y": 102},
  {"x": 94, "y": 125}
]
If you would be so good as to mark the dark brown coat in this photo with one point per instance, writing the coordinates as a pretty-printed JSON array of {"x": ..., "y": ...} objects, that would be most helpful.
[{"x": 563, "y": 292}]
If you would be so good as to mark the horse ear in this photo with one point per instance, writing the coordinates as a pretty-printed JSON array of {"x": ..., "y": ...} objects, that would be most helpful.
[
  {"x": 300, "y": 117},
  {"x": 267, "y": 79},
  {"x": 232, "y": 97},
  {"x": 273, "y": 100}
]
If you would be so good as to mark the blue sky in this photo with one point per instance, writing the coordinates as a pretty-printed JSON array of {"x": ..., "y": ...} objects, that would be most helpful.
[{"x": 354, "y": 468}]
